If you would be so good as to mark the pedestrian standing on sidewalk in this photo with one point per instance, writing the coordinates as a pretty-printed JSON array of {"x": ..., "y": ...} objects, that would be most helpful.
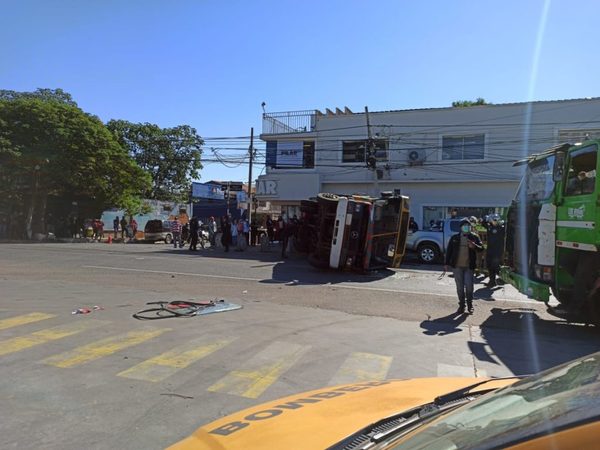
[
  {"x": 234, "y": 232},
  {"x": 495, "y": 247},
  {"x": 246, "y": 231},
  {"x": 94, "y": 229},
  {"x": 194, "y": 229},
  {"x": 134, "y": 227},
  {"x": 288, "y": 230},
  {"x": 116, "y": 227},
  {"x": 270, "y": 231},
  {"x": 212, "y": 230},
  {"x": 100, "y": 229},
  {"x": 254, "y": 232},
  {"x": 279, "y": 231},
  {"x": 123, "y": 228},
  {"x": 412, "y": 225},
  {"x": 176, "y": 232},
  {"x": 241, "y": 237},
  {"x": 225, "y": 232},
  {"x": 461, "y": 255}
]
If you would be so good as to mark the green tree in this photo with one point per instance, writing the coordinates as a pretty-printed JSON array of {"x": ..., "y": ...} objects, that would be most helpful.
[
  {"x": 467, "y": 103},
  {"x": 43, "y": 94},
  {"x": 57, "y": 160},
  {"x": 172, "y": 156}
]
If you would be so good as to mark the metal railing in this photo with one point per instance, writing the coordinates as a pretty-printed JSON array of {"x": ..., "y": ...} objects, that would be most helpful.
[{"x": 288, "y": 122}]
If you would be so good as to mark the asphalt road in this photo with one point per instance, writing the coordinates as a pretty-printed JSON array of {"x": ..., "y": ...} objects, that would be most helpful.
[{"x": 107, "y": 380}]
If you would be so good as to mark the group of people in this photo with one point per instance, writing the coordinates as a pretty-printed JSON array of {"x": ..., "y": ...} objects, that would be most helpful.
[
  {"x": 239, "y": 233},
  {"x": 128, "y": 229},
  {"x": 191, "y": 232},
  {"x": 462, "y": 255}
]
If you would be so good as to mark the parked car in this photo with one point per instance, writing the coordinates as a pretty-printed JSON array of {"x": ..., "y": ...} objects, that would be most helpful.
[
  {"x": 431, "y": 245},
  {"x": 158, "y": 230}
]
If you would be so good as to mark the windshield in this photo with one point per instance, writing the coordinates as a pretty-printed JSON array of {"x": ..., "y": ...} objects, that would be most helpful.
[
  {"x": 539, "y": 404},
  {"x": 537, "y": 183}
]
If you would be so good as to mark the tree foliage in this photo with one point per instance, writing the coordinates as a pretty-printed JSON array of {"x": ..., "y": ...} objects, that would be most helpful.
[
  {"x": 170, "y": 155},
  {"x": 41, "y": 93},
  {"x": 467, "y": 103},
  {"x": 55, "y": 158}
]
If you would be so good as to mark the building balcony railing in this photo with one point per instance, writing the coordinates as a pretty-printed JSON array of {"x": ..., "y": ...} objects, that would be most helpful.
[{"x": 289, "y": 122}]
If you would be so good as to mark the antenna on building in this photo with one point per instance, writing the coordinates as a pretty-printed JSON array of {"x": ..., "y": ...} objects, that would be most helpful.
[{"x": 263, "y": 104}]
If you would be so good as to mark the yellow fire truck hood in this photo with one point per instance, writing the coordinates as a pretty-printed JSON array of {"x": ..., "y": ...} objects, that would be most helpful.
[{"x": 321, "y": 418}]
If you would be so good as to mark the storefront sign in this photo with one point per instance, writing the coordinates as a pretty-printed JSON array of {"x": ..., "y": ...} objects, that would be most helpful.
[
  {"x": 267, "y": 187},
  {"x": 201, "y": 190},
  {"x": 290, "y": 154}
]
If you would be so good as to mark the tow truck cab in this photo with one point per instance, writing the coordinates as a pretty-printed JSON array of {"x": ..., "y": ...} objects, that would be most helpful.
[{"x": 356, "y": 232}]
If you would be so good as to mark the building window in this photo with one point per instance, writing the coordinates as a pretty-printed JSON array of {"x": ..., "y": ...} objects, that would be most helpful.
[
  {"x": 354, "y": 151},
  {"x": 463, "y": 147},
  {"x": 309, "y": 155},
  {"x": 578, "y": 135}
]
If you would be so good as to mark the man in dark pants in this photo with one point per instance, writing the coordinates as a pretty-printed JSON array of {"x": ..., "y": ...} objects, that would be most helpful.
[
  {"x": 194, "y": 228},
  {"x": 226, "y": 233},
  {"x": 495, "y": 247},
  {"x": 461, "y": 256}
]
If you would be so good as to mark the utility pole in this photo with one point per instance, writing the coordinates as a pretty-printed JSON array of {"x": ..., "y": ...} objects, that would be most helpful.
[
  {"x": 249, "y": 196},
  {"x": 370, "y": 158},
  {"x": 227, "y": 196}
]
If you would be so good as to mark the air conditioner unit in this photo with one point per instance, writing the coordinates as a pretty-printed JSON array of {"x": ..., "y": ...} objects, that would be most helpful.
[{"x": 416, "y": 157}]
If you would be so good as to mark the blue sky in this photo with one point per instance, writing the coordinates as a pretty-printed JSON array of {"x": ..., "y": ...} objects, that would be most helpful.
[{"x": 211, "y": 64}]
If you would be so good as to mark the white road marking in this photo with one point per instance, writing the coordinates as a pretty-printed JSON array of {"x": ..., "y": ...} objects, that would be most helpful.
[
  {"x": 129, "y": 269},
  {"x": 336, "y": 286}
]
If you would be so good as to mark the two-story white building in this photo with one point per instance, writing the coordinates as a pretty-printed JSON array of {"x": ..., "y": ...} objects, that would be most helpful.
[{"x": 444, "y": 159}]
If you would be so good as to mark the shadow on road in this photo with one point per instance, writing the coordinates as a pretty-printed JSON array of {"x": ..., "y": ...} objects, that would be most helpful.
[
  {"x": 294, "y": 270},
  {"x": 443, "y": 326},
  {"x": 520, "y": 340},
  {"x": 534, "y": 344},
  {"x": 486, "y": 293}
]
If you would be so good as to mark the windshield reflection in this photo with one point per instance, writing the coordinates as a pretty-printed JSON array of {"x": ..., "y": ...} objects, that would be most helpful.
[{"x": 569, "y": 393}]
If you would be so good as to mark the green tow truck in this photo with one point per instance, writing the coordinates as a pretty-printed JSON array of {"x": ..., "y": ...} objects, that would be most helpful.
[{"x": 553, "y": 230}]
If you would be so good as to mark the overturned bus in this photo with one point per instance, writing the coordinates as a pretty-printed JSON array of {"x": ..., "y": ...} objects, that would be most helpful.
[{"x": 354, "y": 232}]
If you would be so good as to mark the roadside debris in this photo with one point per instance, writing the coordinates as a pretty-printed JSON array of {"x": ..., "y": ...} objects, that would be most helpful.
[
  {"x": 184, "y": 308},
  {"x": 187, "y": 397},
  {"x": 87, "y": 310}
]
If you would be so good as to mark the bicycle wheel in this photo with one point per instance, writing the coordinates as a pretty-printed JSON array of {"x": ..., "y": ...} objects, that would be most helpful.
[{"x": 154, "y": 314}]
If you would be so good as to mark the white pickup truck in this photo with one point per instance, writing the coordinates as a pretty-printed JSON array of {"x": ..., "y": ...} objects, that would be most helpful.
[{"x": 431, "y": 245}]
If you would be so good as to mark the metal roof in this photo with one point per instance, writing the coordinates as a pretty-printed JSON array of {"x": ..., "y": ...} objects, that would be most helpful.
[{"x": 445, "y": 108}]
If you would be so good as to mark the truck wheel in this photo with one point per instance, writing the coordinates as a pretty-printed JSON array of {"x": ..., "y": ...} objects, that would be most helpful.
[
  {"x": 562, "y": 295},
  {"x": 428, "y": 253},
  {"x": 168, "y": 239},
  {"x": 328, "y": 198}
]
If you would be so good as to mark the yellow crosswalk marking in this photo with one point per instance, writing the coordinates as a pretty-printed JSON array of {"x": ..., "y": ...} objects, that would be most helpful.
[
  {"x": 24, "y": 319},
  {"x": 361, "y": 366},
  {"x": 49, "y": 334},
  {"x": 166, "y": 364},
  {"x": 103, "y": 347},
  {"x": 260, "y": 371}
]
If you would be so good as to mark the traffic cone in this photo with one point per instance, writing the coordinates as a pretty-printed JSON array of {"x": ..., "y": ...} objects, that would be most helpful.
[{"x": 109, "y": 239}]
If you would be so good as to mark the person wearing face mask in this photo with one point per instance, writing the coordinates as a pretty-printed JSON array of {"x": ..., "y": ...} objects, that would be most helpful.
[{"x": 461, "y": 255}]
